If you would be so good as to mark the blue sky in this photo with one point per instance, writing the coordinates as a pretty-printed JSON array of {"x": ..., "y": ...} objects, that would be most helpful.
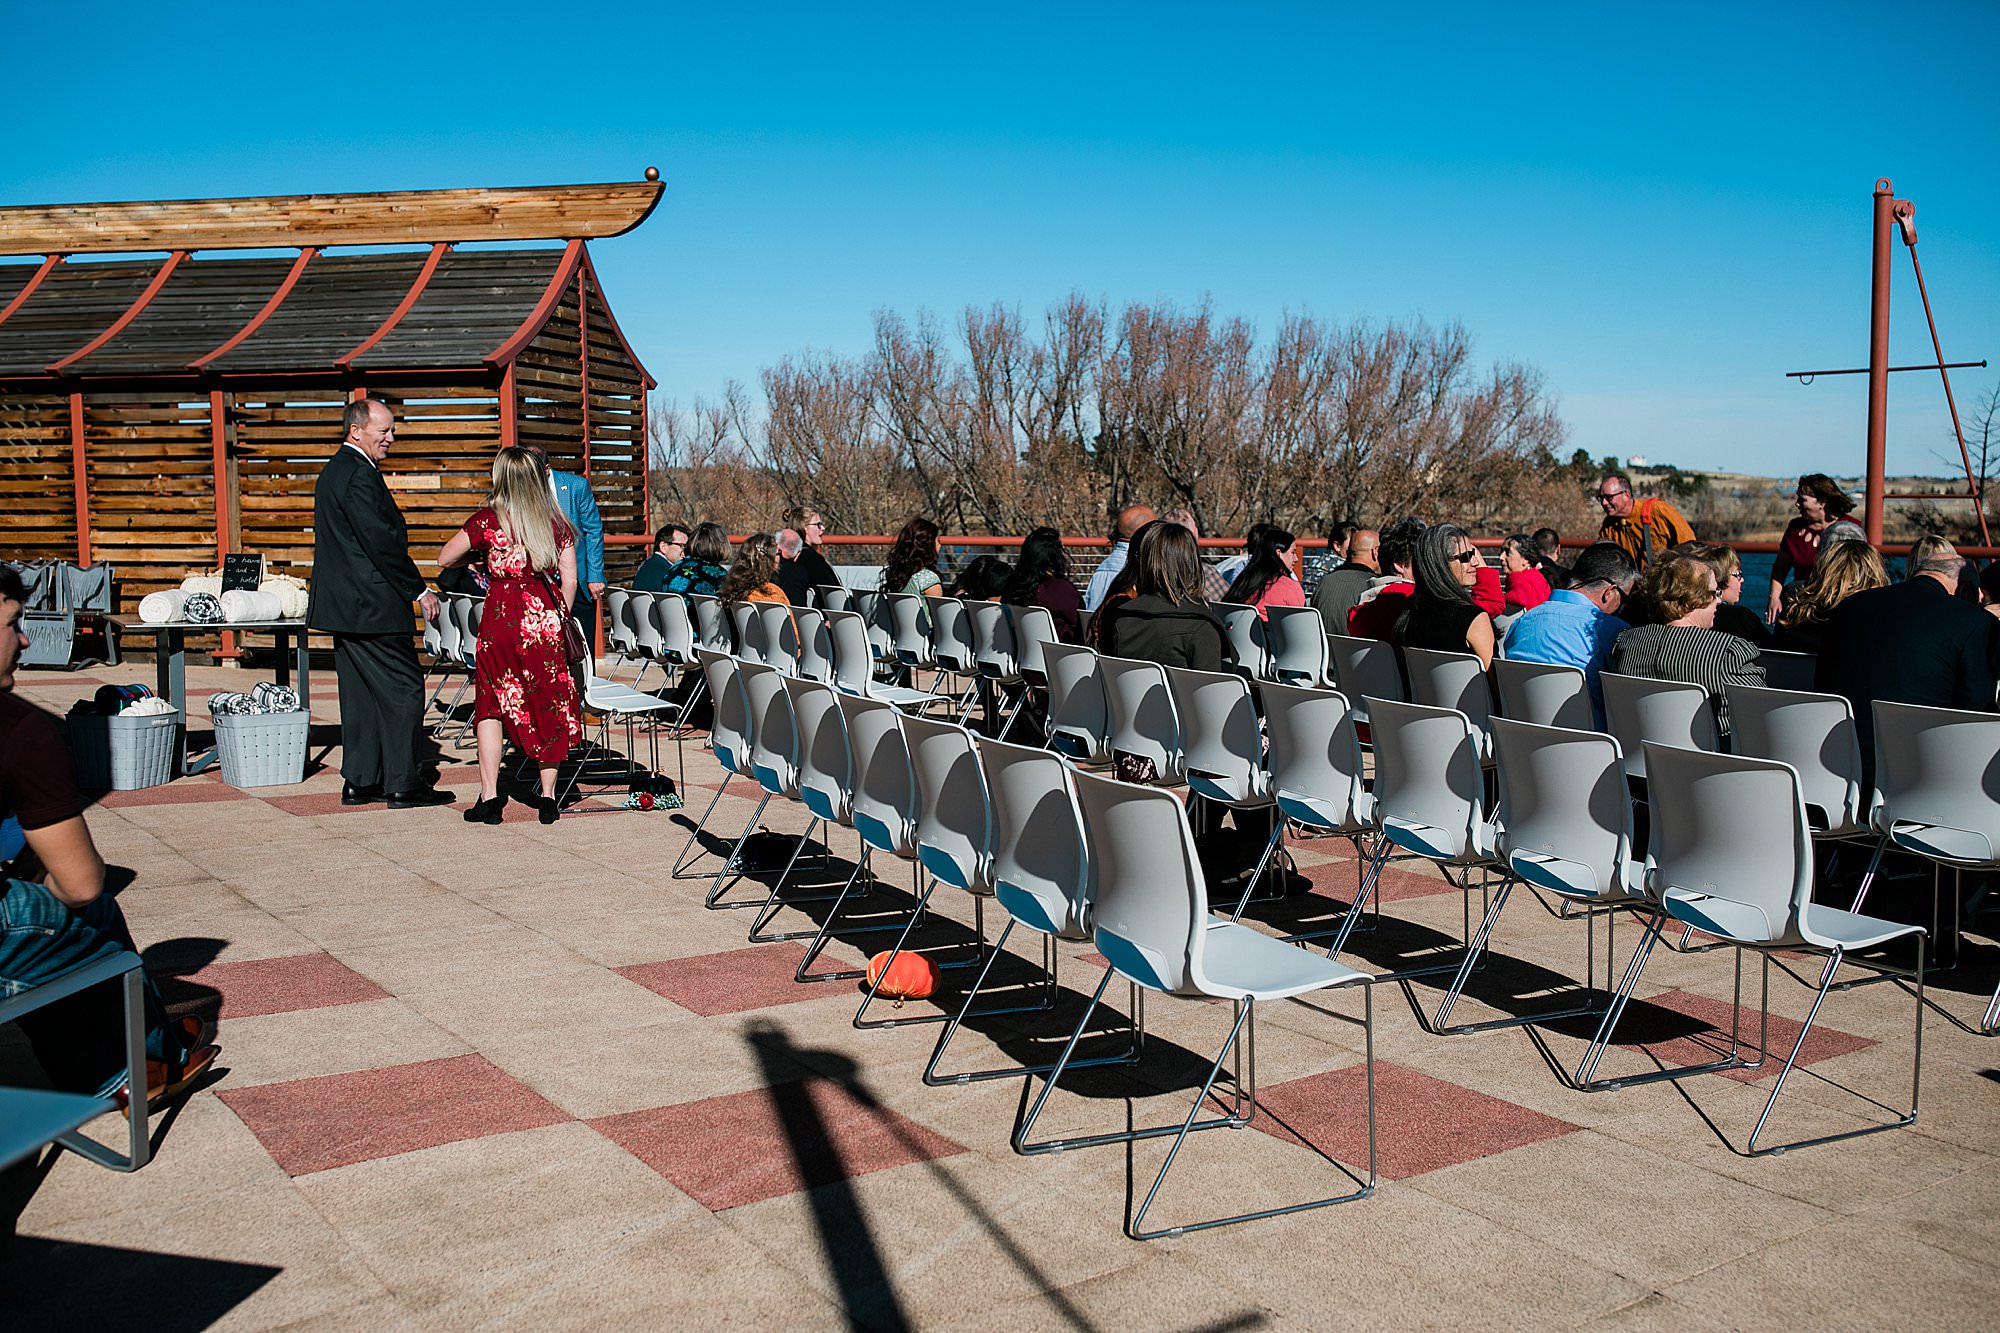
[{"x": 1662, "y": 210}]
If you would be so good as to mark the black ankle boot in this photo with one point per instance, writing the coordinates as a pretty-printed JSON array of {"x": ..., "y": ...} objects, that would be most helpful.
[
  {"x": 486, "y": 811},
  {"x": 547, "y": 809}
]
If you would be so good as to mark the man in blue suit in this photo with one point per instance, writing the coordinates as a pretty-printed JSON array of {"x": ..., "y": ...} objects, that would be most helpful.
[{"x": 579, "y": 506}]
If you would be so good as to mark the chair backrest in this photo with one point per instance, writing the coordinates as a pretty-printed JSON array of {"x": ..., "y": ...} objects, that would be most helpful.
[
  {"x": 951, "y": 634},
  {"x": 617, "y": 627},
  {"x": 669, "y": 612},
  {"x": 1034, "y": 631},
  {"x": 1729, "y": 850},
  {"x": 1149, "y": 902},
  {"x": 993, "y": 640},
  {"x": 711, "y": 623},
  {"x": 776, "y": 631},
  {"x": 434, "y": 631},
  {"x": 873, "y": 608},
  {"x": 1672, "y": 712},
  {"x": 826, "y": 767},
  {"x": 815, "y": 644},
  {"x": 1564, "y": 813},
  {"x": 1296, "y": 636},
  {"x": 450, "y": 628},
  {"x": 1222, "y": 746},
  {"x": 884, "y": 801},
  {"x": 853, "y": 663},
  {"x": 1040, "y": 870},
  {"x": 465, "y": 613},
  {"x": 954, "y": 818},
  {"x": 910, "y": 625},
  {"x": 833, "y": 597},
  {"x": 1429, "y": 792},
  {"x": 1079, "y": 714},
  {"x": 1315, "y": 758},
  {"x": 729, "y": 735},
  {"x": 1143, "y": 721},
  {"x": 641, "y": 625},
  {"x": 1545, "y": 693},
  {"x": 1787, "y": 671},
  {"x": 1940, "y": 766},
  {"x": 749, "y": 633},
  {"x": 1815, "y": 734},
  {"x": 774, "y": 735},
  {"x": 1365, "y": 669},
  {"x": 1246, "y": 637},
  {"x": 1453, "y": 680}
]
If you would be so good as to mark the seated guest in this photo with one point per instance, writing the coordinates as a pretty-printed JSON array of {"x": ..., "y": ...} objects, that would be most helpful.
[
  {"x": 1271, "y": 576},
  {"x": 1214, "y": 583},
  {"x": 1520, "y": 562},
  {"x": 1843, "y": 569},
  {"x": 1341, "y": 587},
  {"x": 1165, "y": 620},
  {"x": 1579, "y": 624},
  {"x": 1685, "y": 645},
  {"x": 912, "y": 564},
  {"x": 1731, "y": 617},
  {"x": 1989, "y": 589},
  {"x": 669, "y": 547},
  {"x": 1122, "y": 586},
  {"x": 55, "y": 916},
  {"x": 1232, "y": 567},
  {"x": 705, "y": 566},
  {"x": 1041, "y": 578},
  {"x": 982, "y": 580},
  {"x": 813, "y": 569},
  {"x": 754, "y": 576},
  {"x": 1911, "y": 642},
  {"x": 1382, "y": 602},
  {"x": 1548, "y": 545},
  {"x": 1442, "y": 615}
]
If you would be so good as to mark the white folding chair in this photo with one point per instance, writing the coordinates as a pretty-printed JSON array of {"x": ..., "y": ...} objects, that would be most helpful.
[
  {"x": 1296, "y": 636},
  {"x": 1545, "y": 693},
  {"x": 1151, "y": 922},
  {"x": 1638, "y": 709},
  {"x": 1731, "y": 855},
  {"x": 1079, "y": 715}
]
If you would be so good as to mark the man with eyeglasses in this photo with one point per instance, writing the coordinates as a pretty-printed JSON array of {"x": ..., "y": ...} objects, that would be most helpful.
[
  {"x": 670, "y": 545},
  {"x": 1639, "y": 527},
  {"x": 1578, "y": 625}
]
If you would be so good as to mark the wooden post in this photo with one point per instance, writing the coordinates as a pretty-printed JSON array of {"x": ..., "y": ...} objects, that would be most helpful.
[
  {"x": 79, "y": 478},
  {"x": 583, "y": 357},
  {"x": 218, "y": 444},
  {"x": 510, "y": 423}
]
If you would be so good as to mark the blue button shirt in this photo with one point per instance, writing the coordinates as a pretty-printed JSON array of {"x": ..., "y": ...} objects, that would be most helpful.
[{"x": 1567, "y": 630}]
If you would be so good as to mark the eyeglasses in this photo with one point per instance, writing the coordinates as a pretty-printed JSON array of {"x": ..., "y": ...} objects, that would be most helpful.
[
  {"x": 1466, "y": 557},
  {"x": 1606, "y": 497}
]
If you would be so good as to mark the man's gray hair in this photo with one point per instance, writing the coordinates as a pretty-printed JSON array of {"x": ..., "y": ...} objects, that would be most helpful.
[
  {"x": 1933, "y": 554},
  {"x": 790, "y": 544},
  {"x": 356, "y": 414}
]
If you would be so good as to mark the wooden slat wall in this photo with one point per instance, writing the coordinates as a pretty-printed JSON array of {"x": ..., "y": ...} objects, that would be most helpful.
[
  {"x": 37, "y": 508},
  {"x": 151, "y": 472},
  {"x": 617, "y": 443},
  {"x": 279, "y": 445}
]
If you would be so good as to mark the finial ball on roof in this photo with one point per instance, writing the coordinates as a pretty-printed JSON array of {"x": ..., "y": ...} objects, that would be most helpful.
[{"x": 652, "y": 173}]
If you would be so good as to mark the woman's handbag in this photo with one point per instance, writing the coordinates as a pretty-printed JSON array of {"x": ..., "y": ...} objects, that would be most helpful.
[{"x": 574, "y": 650}]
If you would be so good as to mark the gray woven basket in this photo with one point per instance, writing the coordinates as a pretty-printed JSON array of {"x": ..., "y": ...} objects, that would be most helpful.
[
  {"x": 262, "y": 749},
  {"x": 123, "y": 753}
]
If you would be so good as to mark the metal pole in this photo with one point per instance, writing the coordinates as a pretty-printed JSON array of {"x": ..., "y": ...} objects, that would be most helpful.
[{"x": 1878, "y": 358}]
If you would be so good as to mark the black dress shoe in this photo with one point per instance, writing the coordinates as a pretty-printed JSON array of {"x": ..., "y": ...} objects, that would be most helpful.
[
  {"x": 418, "y": 796},
  {"x": 353, "y": 795},
  {"x": 486, "y": 811}
]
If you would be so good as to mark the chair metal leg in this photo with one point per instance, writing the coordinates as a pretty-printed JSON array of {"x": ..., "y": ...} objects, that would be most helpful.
[
  {"x": 773, "y": 903},
  {"x": 1246, "y": 1011},
  {"x": 862, "y": 866},
  {"x": 1361, "y": 899},
  {"x": 979, "y": 948},
  {"x": 1584, "y": 1079},
  {"x": 683, "y": 861},
  {"x": 138, "y": 1140},
  {"x": 734, "y": 861},
  {"x": 1051, "y": 959}
]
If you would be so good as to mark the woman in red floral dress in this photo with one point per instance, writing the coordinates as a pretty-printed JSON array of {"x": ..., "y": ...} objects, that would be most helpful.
[{"x": 524, "y": 689}]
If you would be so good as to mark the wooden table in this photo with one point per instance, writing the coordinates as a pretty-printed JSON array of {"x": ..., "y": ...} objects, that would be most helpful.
[{"x": 170, "y": 664}]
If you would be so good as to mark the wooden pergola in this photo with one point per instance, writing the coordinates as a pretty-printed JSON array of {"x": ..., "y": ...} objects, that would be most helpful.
[{"x": 160, "y": 413}]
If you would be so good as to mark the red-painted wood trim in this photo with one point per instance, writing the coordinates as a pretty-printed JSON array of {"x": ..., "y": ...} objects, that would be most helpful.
[
  {"x": 79, "y": 478},
  {"x": 505, "y": 353},
  {"x": 583, "y": 359},
  {"x": 646, "y": 465},
  {"x": 270, "y": 309},
  {"x": 510, "y": 420},
  {"x": 402, "y": 307},
  {"x": 218, "y": 443},
  {"x": 34, "y": 281},
  {"x": 131, "y": 313},
  {"x": 617, "y": 332}
]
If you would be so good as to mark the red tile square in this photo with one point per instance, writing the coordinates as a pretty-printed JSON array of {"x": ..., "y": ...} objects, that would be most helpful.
[
  {"x": 283, "y": 985},
  {"x": 316, "y": 1124},
  {"x": 745, "y": 1147},
  {"x": 1421, "y": 1123},
  {"x": 729, "y": 982},
  {"x": 1699, "y": 1048},
  {"x": 1341, "y": 879},
  {"x": 181, "y": 791}
]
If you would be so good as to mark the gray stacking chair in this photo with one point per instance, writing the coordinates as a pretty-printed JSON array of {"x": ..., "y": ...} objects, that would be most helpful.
[
  {"x": 1814, "y": 733},
  {"x": 712, "y": 629},
  {"x": 783, "y": 748},
  {"x": 834, "y": 597},
  {"x": 993, "y": 654},
  {"x": 774, "y": 766},
  {"x": 619, "y": 629},
  {"x": 748, "y": 632},
  {"x": 952, "y": 647},
  {"x": 466, "y": 611},
  {"x": 1222, "y": 747},
  {"x": 1034, "y": 631},
  {"x": 854, "y": 663},
  {"x": 1246, "y": 637},
  {"x": 1150, "y": 920},
  {"x": 1788, "y": 671},
  {"x": 1545, "y": 693},
  {"x": 728, "y": 737},
  {"x": 642, "y": 630},
  {"x": 450, "y": 653},
  {"x": 33, "y": 1118},
  {"x": 1456, "y": 681},
  {"x": 1040, "y": 878},
  {"x": 873, "y": 608},
  {"x": 1315, "y": 767},
  {"x": 1143, "y": 720},
  {"x": 1731, "y": 854},
  {"x": 910, "y": 627},
  {"x": 1079, "y": 715},
  {"x": 777, "y": 635},
  {"x": 1669, "y": 712},
  {"x": 1296, "y": 636},
  {"x": 1365, "y": 669},
  {"x": 815, "y": 644}
]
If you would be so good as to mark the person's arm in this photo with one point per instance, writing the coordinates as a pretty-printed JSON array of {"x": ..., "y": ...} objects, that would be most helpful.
[
  {"x": 456, "y": 552},
  {"x": 1486, "y": 594},
  {"x": 566, "y": 564},
  {"x": 75, "y": 870},
  {"x": 590, "y": 539},
  {"x": 1479, "y": 639},
  {"x": 384, "y": 538},
  {"x": 1781, "y": 568}
]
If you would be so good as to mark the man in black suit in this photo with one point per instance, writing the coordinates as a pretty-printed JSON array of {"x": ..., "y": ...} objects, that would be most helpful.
[
  {"x": 363, "y": 582},
  {"x": 1912, "y": 642}
]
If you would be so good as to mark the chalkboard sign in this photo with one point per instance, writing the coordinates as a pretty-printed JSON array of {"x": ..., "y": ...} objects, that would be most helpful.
[{"x": 242, "y": 572}]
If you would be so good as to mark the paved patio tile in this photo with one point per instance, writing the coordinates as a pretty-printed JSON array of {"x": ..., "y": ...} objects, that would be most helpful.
[
  {"x": 280, "y": 985},
  {"x": 729, "y": 982}
]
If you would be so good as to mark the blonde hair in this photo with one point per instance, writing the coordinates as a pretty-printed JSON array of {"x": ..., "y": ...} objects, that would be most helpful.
[
  {"x": 527, "y": 512},
  {"x": 1844, "y": 569}
]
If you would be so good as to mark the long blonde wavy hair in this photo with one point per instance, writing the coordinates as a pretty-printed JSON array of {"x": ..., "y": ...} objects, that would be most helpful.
[
  {"x": 1844, "y": 569},
  {"x": 520, "y": 499}
]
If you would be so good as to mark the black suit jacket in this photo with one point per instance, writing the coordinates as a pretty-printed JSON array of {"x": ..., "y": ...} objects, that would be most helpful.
[{"x": 363, "y": 579}]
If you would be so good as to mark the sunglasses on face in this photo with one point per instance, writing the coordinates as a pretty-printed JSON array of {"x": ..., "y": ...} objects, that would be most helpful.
[{"x": 1466, "y": 557}]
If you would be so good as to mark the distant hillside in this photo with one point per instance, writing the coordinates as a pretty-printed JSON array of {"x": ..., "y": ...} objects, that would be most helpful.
[{"x": 1741, "y": 506}]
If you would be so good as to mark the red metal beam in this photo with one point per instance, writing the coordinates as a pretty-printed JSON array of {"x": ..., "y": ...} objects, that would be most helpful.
[
  {"x": 1878, "y": 360},
  {"x": 402, "y": 307},
  {"x": 270, "y": 308},
  {"x": 218, "y": 443},
  {"x": 131, "y": 313},
  {"x": 79, "y": 478},
  {"x": 34, "y": 281},
  {"x": 510, "y": 411},
  {"x": 583, "y": 360},
  {"x": 505, "y": 353}
]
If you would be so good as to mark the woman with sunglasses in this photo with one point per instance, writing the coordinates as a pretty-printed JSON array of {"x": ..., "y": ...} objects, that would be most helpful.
[{"x": 1442, "y": 614}]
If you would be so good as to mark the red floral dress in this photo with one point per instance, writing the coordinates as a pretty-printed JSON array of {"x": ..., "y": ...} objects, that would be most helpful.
[{"x": 520, "y": 674}]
